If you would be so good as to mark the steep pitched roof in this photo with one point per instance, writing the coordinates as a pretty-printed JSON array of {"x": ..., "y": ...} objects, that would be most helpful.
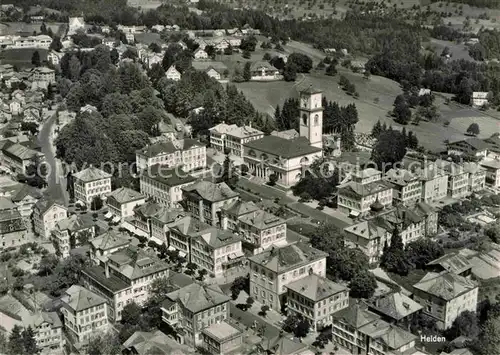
[
  {"x": 124, "y": 195},
  {"x": 291, "y": 256},
  {"x": 285, "y": 148},
  {"x": 91, "y": 174},
  {"x": 396, "y": 305},
  {"x": 74, "y": 223},
  {"x": 78, "y": 298},
  {"x": 153, "y": 343},
  {"x": 110, "y": 240},
  {"x": 315, "y": 287},
  {"x": 210, "y": 191},
  {"x": 45, "y": 203},
  {"x": 261, "y": 219},
  {"x": 445, "y": 285},
  {"x": 281, "y": 345},
  {"x": 239, "y": 208},
  {"x": 356, "y": 315},
  {"x": 453, "y": 262},
  {"x": 133, "y": 262},
  {"x": 198, "y": 297}
]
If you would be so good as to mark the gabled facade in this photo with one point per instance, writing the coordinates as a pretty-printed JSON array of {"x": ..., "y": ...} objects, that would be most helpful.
[
  {"x": 90, "y": 183},
  {"x": 188, "y": 153},
  {"x": 173, "y": 74},
  {"x": 121, "y": 202},
  {"x": 231, "y": 137},
  {"x": 70, "y": 233},
  {"x": 46, "y": 214}
]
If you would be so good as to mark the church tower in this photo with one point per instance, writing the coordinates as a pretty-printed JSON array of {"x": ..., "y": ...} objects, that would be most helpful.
[{"x": 311, "y": 116}]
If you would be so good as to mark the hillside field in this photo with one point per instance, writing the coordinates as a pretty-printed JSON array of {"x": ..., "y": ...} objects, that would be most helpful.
[{"x": 21, "y": 57}]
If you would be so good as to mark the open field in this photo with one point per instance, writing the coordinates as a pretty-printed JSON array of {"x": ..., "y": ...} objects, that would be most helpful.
[
  {"x": 265, "y": 97},
  {"x": 14, "y": 28},
  {"x": 21, "y": 57},
  {"x": 457, "y": 51}
]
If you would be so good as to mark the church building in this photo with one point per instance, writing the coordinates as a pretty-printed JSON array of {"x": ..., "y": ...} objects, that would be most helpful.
[{"x": 275, "y": 154}]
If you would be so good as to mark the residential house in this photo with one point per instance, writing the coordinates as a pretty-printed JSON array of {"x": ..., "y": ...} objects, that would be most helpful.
[
  {"x": 24, "y": 197},
  {"x": 221, "y": 338},
  {"x": 32, "y": 113},
  {"x": 17, "y": 157},
  {"x": 458, "y": 178},
  {"x": 476, "y": 177},
  {"x": 173, "y": 74},
  {"x": 205, "y": 200},
  {"x": 493, "y": 143},
  {"x": 54, "y": 57},
  {"x": 164, "y": 185},
  {"x": 154, "y": 58},
  {"x": 453, "y": 262},
  {"x": 215, "y": 70},
  {"x": 469, "y": 146},
  {"x": 107, "y": 243},
  {"x": 70, "y": 233},
  {"x": 492, "y": 171},
  {"x": 121, "y": 202},
  {"x": 275, "y": 268},
  {"x": 12, "y": 228},
  {"x": 200, "y": 54},
  {"x": 193, "y": 308},
  {"x": 479, "y": 99},
  {"x": 259, "y": 229},
  {"x": 445, "y": 295},
  {"x": 429, "y": 216},
  {"x": 396, "y": 308},
  {"x": 189, "y": 153},
  {"x": 406, "y": 186},
  {"x": 357, "y": 199},
  {"x": 434, "y": 183},
  {"x": 316, "y": 299},
  {"x": 37, "y": 41},
  {"x": 263, "y": 71},
  {"x": 109, "y": 42},
  {"x": 363, "y": 332},
  {"x": 369, "y": 237},
  {"x": 85, "y": 314},
  {"x": 124, "y": 277},
  {"x": 283, "y": 345},
  {"x": 232, "y": 138},
  {"x": 143, "y": 343},
  {"x": 75, "y": 24},
  {"x": 44, "y": 74},
  {"x": 90, "y": 183},
  {"x": 47, "y": 328},
  {"x": 46, "y": 214}
]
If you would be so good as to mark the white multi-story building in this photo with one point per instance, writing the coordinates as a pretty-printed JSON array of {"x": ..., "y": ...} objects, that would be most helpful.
[
  {"x": 47, "y": 328},
  {"x": 434, "y": 183},
  {"x": 188, "y": 153},
  {"x": 39, "y": 41},
  {"x": 357, "y": 199},
  {"x": 164, "y": 185},
  {"x": 70, "y": 233},
  {"x": 406, "y": 186},
  {"x": 316, "y": 299},
  {"x": 107, "y": 243},
  {"x": 90, "y": 183},
  {"x": 85, "y": 314},
  {"x": 492, "y": 169},
  {"x": 121, "y": 202},
  {"x": 445, "y": 295},
  {"x": 46, "y": 214},
  {"x": 232, "y": 138},
  {"x": 124, "y": 277},
  {"x": 275, "y": 268}
]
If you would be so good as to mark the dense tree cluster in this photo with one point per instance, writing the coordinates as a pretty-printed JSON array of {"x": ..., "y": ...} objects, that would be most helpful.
[
  {"x": 316, "y": 184},
  {"x": 389, "y": 149},
  {"x": 493, "y": 4}
]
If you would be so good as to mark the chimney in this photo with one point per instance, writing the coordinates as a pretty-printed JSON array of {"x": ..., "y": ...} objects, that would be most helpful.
[{"x": 106, "y": 270}]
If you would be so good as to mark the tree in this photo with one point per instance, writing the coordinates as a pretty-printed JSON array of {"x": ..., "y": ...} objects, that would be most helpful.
[
  {"x": 290, "y": 72},
  {"x": 302, "y": 328},
  {"x": 466, "y": 324},
  {"x": 394, "y": 258},
  {"x": 402, "y": 110},
  {"x": 108, "y": 343},
  {"x": 488, "y": 341},
  {"x": 155, "y": 47},
  {"x": 331, "y": 70},
  {"x": 473, "y": 129},
  {"x": 302, "y": 62},
  {"x": 56, "y": 44},
  {"x": 363, "y": 285},
  {"x": 35, "y": 59},
  {"x": 96, "y": 203},
  {"x": 16, "y": 345},
  {"x": 228, "y": 173},
  {"x": 493, "y": 232},
  {"x": 390, "y": 149},
  {"x": 246, "y": 55},
  {"x": 247, "y": 74},
  {"x": 377, "y": 129},
  {"x": 290, "y": 323},
  {"x": 266, "y": 57},
  {"x": 422, "y": 251},
  {"x": 263, "y": 310},
  {"x": 156, "y": 73},
  {"x": 131, "y": 314},
  {"x": 74, "y": 68},
  {"x": 241, "y": 283},
  {"x": 250, "y": 302},
  {"x": 47, "y": 264},
  {"x": 273, "y": 178},
  {"x": 29, "y": 341}
]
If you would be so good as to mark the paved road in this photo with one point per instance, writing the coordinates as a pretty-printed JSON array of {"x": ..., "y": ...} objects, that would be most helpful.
[
  {"x": 56, "y": 188},
  {"x": 247, "y": 319}
]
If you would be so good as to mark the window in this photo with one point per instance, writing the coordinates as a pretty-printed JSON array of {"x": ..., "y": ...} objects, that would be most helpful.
[{"x": 316, "y": 118}]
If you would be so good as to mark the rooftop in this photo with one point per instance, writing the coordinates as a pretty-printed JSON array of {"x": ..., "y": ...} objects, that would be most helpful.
[
  {"x": 236, "y": 131},
  {"x": 400, "y": 177},
  {"x": 124, "y": 195},
  {"x": 217, "y": 238},
  {"x": 197, "y": 297},
  {"x": 445, "y": 285},
  {"x": 453, "y": 262},
  {"x": 390, "y": 335},
  {"x": 476, "y": 143},
  {"x": 210, "y": 191},
  {"x": 284, "y": 148},
  {"x": 45, "y": 203},
  {"x": 291, "y": 256},
  {"x": 133, "y": 262},
  {"x": 261, "y": 219},
  {"x": 78, "y": 298},
  {"x": 109, "y": 240},
  {"x": 356, "y": 315},
  {"x": 239, "y": 208},
  {"x": 362, "y": 190},
  {"x": 396, "y": 305},
  {"x": 91, "y": 174},
  {"x": 74, "y": 223},
  {"x": 367, "y": 230},
  {"x": 157, "y": 343},
  {"x": 169, "y": 147},
  {"x": 316, "y": 288},
  {"x": 112, "y": 283},
  {"x": 221, "y": 331},
  {"x": 170, "y": 176}
]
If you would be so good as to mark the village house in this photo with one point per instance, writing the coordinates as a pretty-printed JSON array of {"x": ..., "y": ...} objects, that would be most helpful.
[
  {"x": 492, "y": 169},
  {"x": 32, "y": 113},
  {"x": 205, "y": 305},
  {"x": 75, "y": 24},
  {"x": 188, "y": 153},
  {"x": 125, "y": 277},
  {"x": 463, "y": 179},
  {"x": 164, "y": 185},
  {"x": 260, "y": 229},
  {"x": 121, "y": 202},
  {"x": 173, "y": 74},
  {"x": 288, "y": 157},
  {"x": 107, "y": 243},
  {"x": 396, "y": 308},
  {"x": 46, "y": 214},
  {"x": 232, "y": 138},
  {"x": 153, "y": 58},
  {"x": 406, "y": 186},
  {"x": 445, "y": 295},
  {"x": 275, "y": 268},
  {"x": 38, "y": 41},
  {"x": 12, "y": 228},
  {"x": 54, "y": 57},
  {"x": 85, "y": 314},
  {"x": 23, "y": 196},
  {"x": 262, "y": 71},
  {"x": 469, "y": 146},
  {"x": 452, "y": 262},
  {"x": 363, "y": 332},
  {"x": 70, "y": 233},
  {"x": 434, "y": 183},
  {"x": 90, "y": 183},
  {"x": 205, "y": 200},
  {"x": 109, "y": 42},
  {"x": 221, "y": 338},
  {"x": 215, "y": 70},
  {"x": 47, "y": 328},
  {"x": 17, "y": 157},
  {"x": 479, "y": 99},
  {"x": 316, "y": 299},
  {"x": 200, "y": 54},
  {"x": 368, "y": 237},
  {"x": 44, "y": 74}
]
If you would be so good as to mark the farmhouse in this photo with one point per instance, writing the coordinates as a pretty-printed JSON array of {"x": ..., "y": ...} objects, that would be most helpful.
[
  {"x": 75, "y": 24},
  {"x": 264, "y": 71},
  {"x": 173, "y": 74},
  {"x": 216, "y": 70},
  {"x": 286, "y": 158},
  {"x": 479, "y": 99},
  {"x": 200, "y": 54}
]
